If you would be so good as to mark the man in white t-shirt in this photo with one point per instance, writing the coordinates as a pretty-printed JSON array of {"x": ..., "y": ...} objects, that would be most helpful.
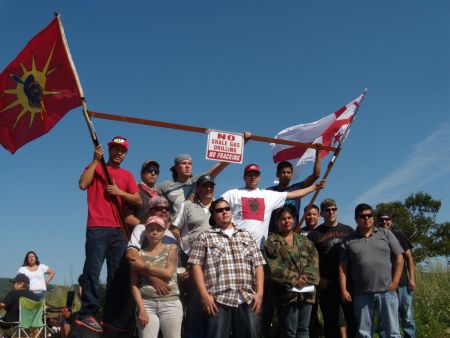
[{"x": 251, "y": 207}]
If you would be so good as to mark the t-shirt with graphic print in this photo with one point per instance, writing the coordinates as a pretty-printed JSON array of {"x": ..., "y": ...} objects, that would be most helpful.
[{"x": 251, "y": 210}]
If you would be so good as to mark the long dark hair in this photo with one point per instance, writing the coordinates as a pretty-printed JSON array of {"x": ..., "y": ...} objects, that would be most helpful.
[{"x": 25, "y": 260}]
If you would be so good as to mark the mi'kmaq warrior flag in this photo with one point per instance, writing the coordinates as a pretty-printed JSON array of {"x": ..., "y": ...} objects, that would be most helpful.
[
  {"x": 329, "y": 131},
  {"x": 37, "y": 88}
]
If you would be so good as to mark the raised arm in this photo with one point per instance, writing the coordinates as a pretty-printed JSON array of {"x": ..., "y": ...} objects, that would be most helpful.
[
  {"x": 305, "y": 191},
  {"x": 88, "y": 175},
  {"x": 316, "y": 171}
]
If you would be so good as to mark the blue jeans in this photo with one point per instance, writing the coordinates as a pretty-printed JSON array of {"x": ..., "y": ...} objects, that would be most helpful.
[
  {"x": 241, "y": 320},
  {"x": 101, "y": 243},
  {"x": 366, "y": 304},
  {"x": 294, "y": 320},
  {"x": 405, "y": 311}
]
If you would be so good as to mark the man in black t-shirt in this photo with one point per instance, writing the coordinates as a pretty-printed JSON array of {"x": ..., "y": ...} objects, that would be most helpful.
[
  {"x": 327, "y": 238},
  {"x": 407, "y": 283},
  {"x": 20, "y": 288}
]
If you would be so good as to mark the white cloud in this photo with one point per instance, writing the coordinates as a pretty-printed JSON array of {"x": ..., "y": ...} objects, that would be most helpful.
[{"x": 429, "y": 160}]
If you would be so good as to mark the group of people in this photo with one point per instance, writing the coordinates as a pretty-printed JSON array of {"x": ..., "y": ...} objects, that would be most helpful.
[{"x": 209, "y": 267}]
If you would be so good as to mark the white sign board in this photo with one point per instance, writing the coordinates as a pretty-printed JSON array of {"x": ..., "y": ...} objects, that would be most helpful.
[{"x": 225, "y": 146}]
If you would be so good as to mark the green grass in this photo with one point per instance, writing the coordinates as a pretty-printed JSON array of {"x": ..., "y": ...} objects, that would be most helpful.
[{"x": 432, "y": 304}]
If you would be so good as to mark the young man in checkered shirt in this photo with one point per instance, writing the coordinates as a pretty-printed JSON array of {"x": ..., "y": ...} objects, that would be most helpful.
[{"x": 227, "y": 267}]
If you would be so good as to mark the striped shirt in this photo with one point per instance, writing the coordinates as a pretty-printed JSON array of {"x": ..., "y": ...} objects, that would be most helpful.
[{"x": 228, "y": 264}]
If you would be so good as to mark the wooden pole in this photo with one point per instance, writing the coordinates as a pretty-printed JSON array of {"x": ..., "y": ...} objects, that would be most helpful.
[
  {"x": 200, "y": 130},
  {"x": 331, "y": 163},
  {"x": 92, "y": 132}
]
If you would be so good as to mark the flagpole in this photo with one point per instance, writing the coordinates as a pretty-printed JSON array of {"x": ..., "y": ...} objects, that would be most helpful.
[
  {"x": 195, "y": 129},
  {"x": 331, "y": 163},
  {"x": 91, "y": 128}
]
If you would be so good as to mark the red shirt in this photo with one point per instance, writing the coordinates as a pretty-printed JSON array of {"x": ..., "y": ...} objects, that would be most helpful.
[{"x": 101, "y": 209}]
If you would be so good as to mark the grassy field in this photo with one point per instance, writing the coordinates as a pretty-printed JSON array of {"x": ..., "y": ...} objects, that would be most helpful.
[{"x": 431, "y": 302}]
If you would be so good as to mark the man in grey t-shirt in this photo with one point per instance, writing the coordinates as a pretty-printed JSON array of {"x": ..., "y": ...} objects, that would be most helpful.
[
  {"x": 365, "y": 265},
  {"x": 179, "y": 189}
]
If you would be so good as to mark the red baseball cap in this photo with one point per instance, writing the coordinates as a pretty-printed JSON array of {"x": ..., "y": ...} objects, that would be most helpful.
[
  {"x": 252, "y": 167},
  {"x": 119, "y": 140}
]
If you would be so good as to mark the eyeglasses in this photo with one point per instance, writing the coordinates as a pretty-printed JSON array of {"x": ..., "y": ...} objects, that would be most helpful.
[
  {"x": 331, "y": 209},
  {"x": 384, "y": 219},
  {"x": 154, "y": 171},
  {"x": 161, "y": 208},
  {"x": 364, "y": 216},
  {"x": 219, "y": 210}
]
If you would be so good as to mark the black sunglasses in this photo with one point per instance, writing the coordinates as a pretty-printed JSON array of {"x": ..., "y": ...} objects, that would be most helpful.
[
  {"x": 364, "y": 216},
  {"x": 161, "y": 208},
  {"x": 330, "y": 209},
  {"x": 219, "y": 210},
  {"x": 155, "y": 171}
]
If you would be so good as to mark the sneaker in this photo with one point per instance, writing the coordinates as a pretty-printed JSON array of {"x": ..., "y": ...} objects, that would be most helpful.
[{"x": 89, "y": 322}]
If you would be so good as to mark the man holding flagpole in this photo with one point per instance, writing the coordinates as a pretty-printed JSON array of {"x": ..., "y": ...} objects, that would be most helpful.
[
  {"x": 285, "y": 172},
  {"x": 104, "y": 235}
]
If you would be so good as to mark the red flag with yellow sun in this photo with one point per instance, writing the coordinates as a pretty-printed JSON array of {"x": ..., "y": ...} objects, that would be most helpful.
[{"x": 38, "y": 88}]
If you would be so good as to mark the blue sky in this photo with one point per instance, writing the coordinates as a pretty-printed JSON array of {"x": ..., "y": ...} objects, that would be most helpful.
[{"x": 231, "y": 65}]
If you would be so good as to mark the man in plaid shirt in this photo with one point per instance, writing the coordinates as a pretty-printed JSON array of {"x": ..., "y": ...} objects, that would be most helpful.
[{"x": 227, "y": 267}]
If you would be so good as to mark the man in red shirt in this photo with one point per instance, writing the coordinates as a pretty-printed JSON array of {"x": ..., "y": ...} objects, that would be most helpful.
[{"x": 104, "y": 237}]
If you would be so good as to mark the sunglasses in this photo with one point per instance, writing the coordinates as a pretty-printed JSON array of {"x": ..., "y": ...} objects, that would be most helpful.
[
  {"x": 155, "y": 171},
  {"x": 384, "y": 219},
  {"x": 161, "y": 208},
  {"x": 330, "y": 209},
  {"x": 364, "y": 216},
  {"x": 219, "y": 210}
]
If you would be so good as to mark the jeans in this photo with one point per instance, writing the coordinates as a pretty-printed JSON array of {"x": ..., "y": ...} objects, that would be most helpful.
[
  {"x": 294, "y": 320},
  {"x": 101, "y": 243},
  {"x": 241, "y": 320},
  {"x": 385, "y": 303},
  {"x": 405, "y": 311},
  {"x": 164, "y": 314}
]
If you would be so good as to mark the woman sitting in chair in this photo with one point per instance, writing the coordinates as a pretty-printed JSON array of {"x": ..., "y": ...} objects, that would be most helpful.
[
  {"x": 20, "y": 288},
  {"x": 36, "y": 272}
]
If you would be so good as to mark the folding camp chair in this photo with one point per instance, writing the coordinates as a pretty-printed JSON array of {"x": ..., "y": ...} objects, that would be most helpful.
[{"x": 31, "y": 318}]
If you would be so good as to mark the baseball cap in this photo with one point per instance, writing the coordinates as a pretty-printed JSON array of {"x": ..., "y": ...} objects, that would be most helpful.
[
  {"x": 326, "y": 203},
  {"x": 157, "y": 200},
  {"x": 119, "y": 140},
  {"x": 20, "y": 277},
  {"x": 148, "y": 164},
  {"x": 156, "y": 220},
  {"x": 205, "y": 179},
  {"x": 252, "y": 167}
]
